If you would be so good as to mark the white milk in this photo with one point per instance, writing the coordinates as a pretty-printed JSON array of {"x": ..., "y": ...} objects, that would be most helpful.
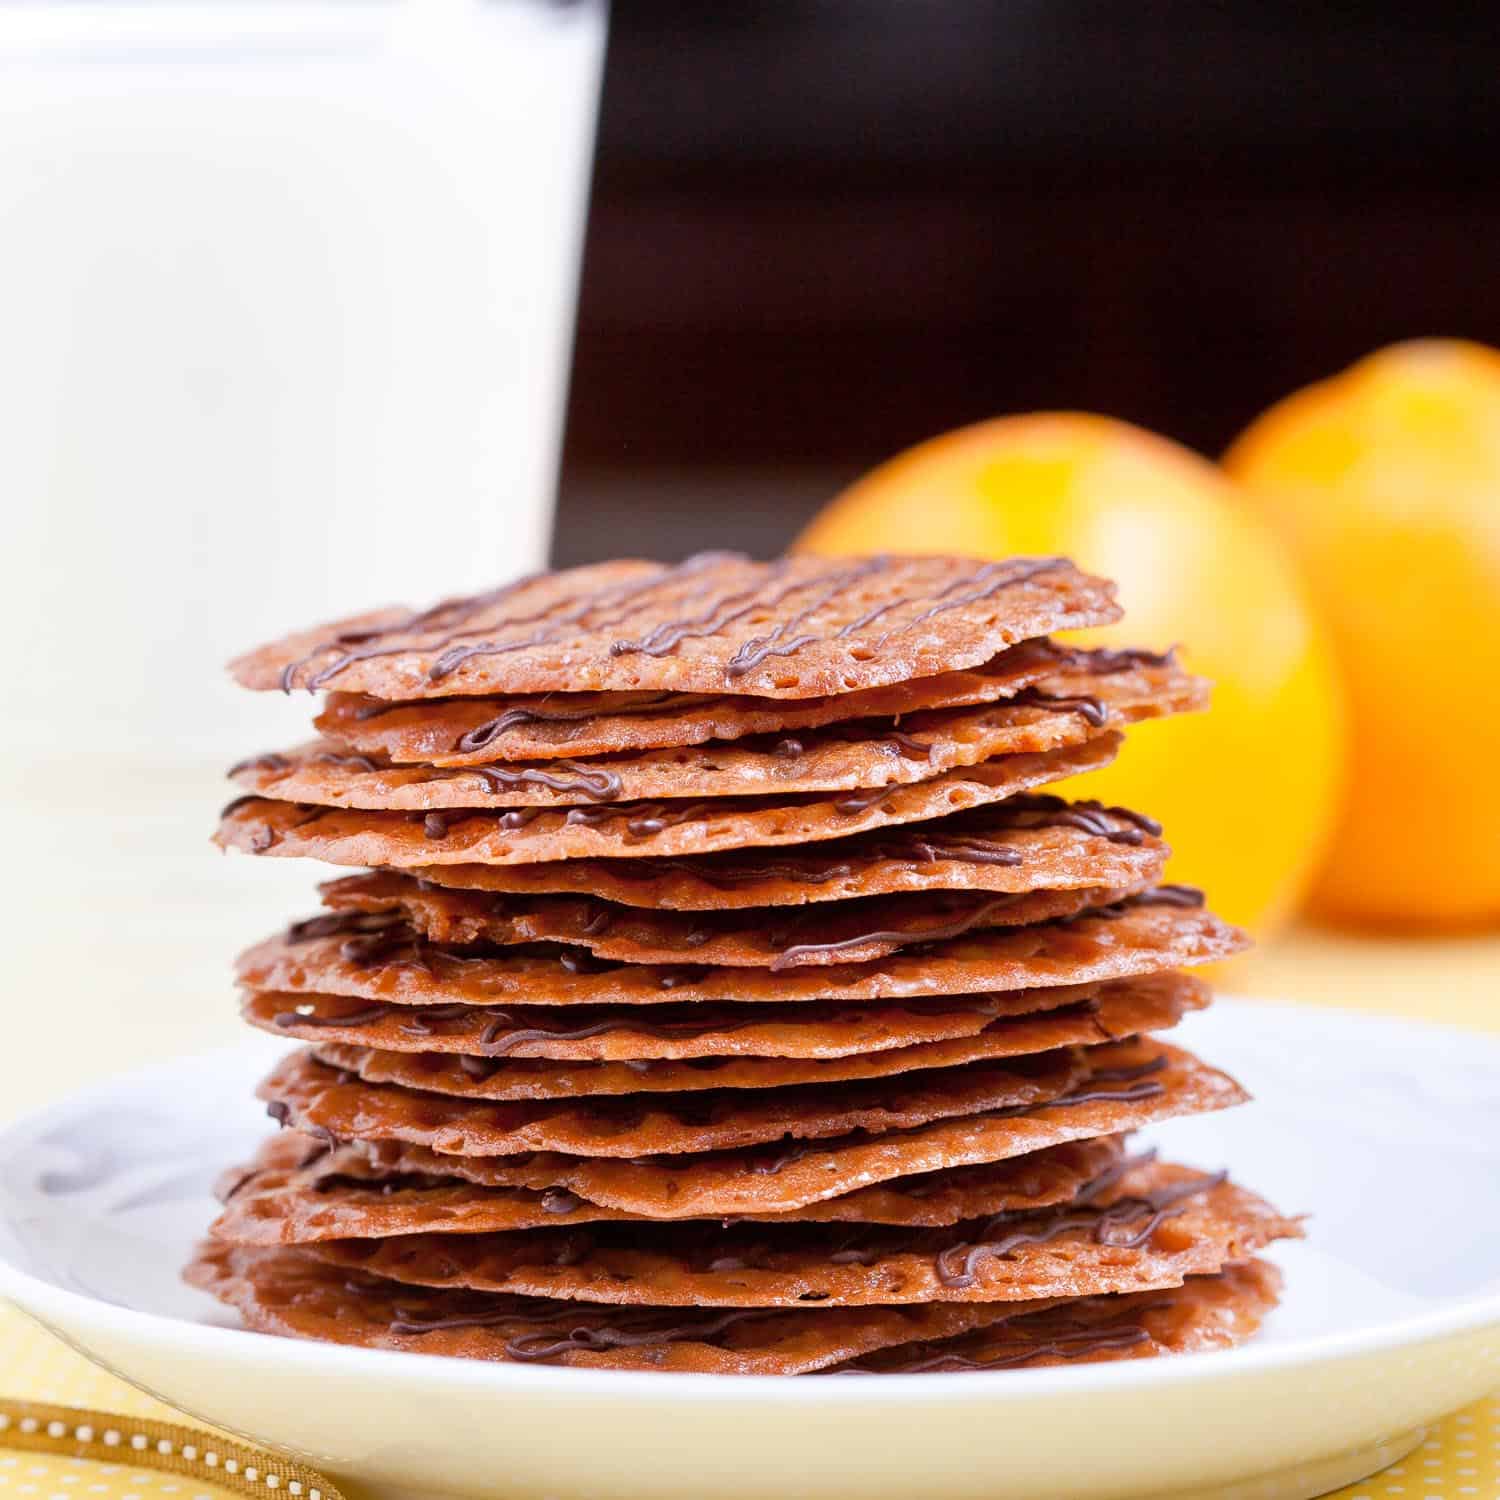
[{"x": 286, "y": 298}]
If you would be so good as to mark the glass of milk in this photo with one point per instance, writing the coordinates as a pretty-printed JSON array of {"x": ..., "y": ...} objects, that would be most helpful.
[{"x": 286, "y": 304}]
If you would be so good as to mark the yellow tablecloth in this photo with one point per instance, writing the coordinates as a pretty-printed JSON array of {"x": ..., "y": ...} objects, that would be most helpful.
[{"x": 1457, "y": 982}]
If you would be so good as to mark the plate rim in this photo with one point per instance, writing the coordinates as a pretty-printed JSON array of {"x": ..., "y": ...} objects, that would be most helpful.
[{"x": 44, "y": 1301}]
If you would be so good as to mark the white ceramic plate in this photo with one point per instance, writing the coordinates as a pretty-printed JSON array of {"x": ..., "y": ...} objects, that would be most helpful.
[{"x": 1388, "y": 1132}]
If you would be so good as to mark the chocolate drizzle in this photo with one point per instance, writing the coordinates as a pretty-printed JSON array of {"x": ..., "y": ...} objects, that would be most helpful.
[
  {"x": 1138, "y": 1080},
  {"x": 729, "y": 876},
  {"x": 803, "y": 952},
  {"x": 349, "y": 761},
  {"x": 263, "y": 836},
  {"x": 367, "y": 711},
  {"x": 366, "y": 1016},
  {"x": 629, "y": 595},
  {"x": 1186, "y": 896},
  {"x": 354, "y": 646},
  {"x": 1129, "y": 1074},
  {"x": 990, "y": 580},
  {"x": 862, "y": 801},
  {"x": 1088, "y": 707},
  {"x": 502, "y": 1035},
  {"x": 783, "y": 639},
  {"x": 560, "y": 776},
  {"x": 271, "y": 761},
  {"x": 1104, "y": 662},
  {"x": 1077, "y": 1342},
  {"x": 452, "y": 615},
  {"x": 553, "y": 1335},
  {"x": 664, "y": 639},
  {"x": 343, "y": 923},
  {"x": 600, "y": 921},
  {"x": 484, "y": 735},
  {"x": 962, "y": 849},
  {"x": 580, "y": 961},
  {"x": 398, "y": 945},
  {"x": 1029, "y": 810},
  {"x": 642, "y": 819},
  {"x": 1125, "y": 1224},
  {"x": 440, "y": 822}
]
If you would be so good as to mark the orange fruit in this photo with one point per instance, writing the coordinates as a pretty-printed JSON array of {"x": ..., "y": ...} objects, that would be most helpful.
[
  {"x": 1385, "y": 480},
  {"x": 1246, "y": 792}
]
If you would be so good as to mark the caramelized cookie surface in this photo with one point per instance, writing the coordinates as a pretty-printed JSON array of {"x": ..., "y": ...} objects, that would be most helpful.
[
  {"x": 1151, "y": 1227},
  {"x": 793, "y": 628}
]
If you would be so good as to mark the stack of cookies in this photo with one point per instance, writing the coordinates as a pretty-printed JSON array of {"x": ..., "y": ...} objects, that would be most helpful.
[{"x": 719, "y": 990}]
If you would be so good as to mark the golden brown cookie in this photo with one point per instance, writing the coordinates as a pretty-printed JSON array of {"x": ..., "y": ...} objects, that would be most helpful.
[
  {"x": 630, "y": 1034},
  {"x": 290, "y": 1293},
  {"x": 473, "y": 731},
  {"x": 298, "y": 1191},
  {"x": 392, "y": 907},
  {"x": 391, "y": 963},
  {"x": 814, "y": 1030},
  {"x": 1151, "y": 1227},
  {"x": 625, "y": 1033},
  {"x": 303, "y": 1092},
  {"x": 1029, "y": 842},
  {"x": 793, "y": 628},
  {"x": 342, "y": 836},
  {"x": 1156, "y": 1004},
  {"x": 478, "y": 1078},
  {"x": 846, "y": 756},
  {"x": 1130, "y": 1085},
  {"x": 1204, "y": 1313}
]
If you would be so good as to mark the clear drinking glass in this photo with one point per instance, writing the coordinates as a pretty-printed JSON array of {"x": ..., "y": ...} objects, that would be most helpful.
[{"x": 286, "y": 303}]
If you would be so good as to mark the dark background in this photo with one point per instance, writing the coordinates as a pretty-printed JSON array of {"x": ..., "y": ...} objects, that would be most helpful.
[{"x": 824, "y": 230}]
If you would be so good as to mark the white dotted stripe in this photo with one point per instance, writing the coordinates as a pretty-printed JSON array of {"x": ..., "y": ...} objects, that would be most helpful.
[{"x": 123, "y": 1437}]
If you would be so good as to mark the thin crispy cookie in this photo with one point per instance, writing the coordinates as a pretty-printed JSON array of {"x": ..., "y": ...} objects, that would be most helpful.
[
  {"x": 470, "y": 731},
  {"x": 851, "y": 932},
  {"x": 1154, "y": 1226},
  {"x": 288, "y": 1292},
  {"x": 1100, "y": 944},
  {"x": 298, "y": 1191},
  {"x": 343, "y": 836},
  {"x": 626, "y": 1033},
  {"x": 793, "y": 628},
  {"x": 1130, "y": 1085},
  {"x": 1026, "y": 843},
  {"x": 1158, "y": 1003},
  {"x": 303, "y": 1092},
  {"x": 478, "y": 1078},
  {"x": 847, "y": 756},
  {"x": 1203, "y": 1314}
]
